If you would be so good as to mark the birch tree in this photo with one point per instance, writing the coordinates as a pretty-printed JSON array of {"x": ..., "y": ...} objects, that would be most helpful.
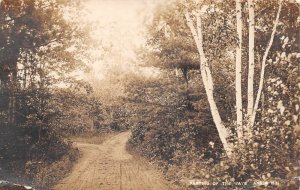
[
  {"x": 243, "y": 124},
  {"x": 208, "y": 81},
  {"x": 251, "y": 58},
  {"x": 263, "y": 67},
  {"x": 238, "y": 70},
  {"x": 251, "y": 66}
]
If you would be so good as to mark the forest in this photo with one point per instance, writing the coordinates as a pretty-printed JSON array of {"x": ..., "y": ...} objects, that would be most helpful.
[{"x": 137, "y": 94}]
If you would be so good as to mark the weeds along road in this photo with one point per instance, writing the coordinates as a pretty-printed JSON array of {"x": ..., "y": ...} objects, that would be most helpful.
[{"x": 108, "y": 166}]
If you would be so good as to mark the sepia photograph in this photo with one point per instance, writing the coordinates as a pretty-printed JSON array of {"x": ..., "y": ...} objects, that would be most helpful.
[{"x": 149, "y": 94}]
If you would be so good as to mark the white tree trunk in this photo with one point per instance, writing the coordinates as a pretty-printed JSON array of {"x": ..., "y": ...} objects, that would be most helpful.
[
  {"x": 251, "y": 67},
  {"x": 263, "y": 66},
  {"x": 238, "y": 71},
  {"x": 251, "y": 58},
  {"x": 208, "y": 83}
]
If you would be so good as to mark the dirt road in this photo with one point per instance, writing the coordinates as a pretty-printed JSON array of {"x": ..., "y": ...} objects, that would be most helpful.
[{"x": 109, "y": 166}]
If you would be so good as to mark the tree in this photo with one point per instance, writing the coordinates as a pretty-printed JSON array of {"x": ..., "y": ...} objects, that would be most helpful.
[
  {"x": 207, "y": 78},
  {"x": 171, "y": 47},
  {"x": 208, "y": 81},
  {"x": 263, "y": 66},
  {"x": 238, "y": 71},
  {"x": 167, "y": 40},
  {"x": 41, "y": 45},
  {"x": 251, "y": 53},
  {"x": 219, "y": 29}
]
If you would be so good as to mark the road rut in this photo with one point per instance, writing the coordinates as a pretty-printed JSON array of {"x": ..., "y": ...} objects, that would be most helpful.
[{"x": 108, "y": 166}]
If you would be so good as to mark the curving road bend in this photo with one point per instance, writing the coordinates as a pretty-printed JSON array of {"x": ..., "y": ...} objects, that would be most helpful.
[{"x": 108, "y": 166}]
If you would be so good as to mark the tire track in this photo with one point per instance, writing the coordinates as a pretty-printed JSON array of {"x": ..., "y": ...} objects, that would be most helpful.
[{"x": 109, "y": 166}]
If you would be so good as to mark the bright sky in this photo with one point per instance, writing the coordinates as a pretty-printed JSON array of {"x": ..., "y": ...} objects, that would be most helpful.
[{"x": 119, "y": 25}]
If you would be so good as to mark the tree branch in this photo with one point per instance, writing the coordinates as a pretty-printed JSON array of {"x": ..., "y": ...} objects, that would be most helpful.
[{"x": 263, "y": 66}]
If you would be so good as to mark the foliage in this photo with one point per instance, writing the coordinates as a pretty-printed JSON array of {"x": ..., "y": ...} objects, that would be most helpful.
[
  {"x": 183, "y": 141},
  {"x": 42, "y": 48}
]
